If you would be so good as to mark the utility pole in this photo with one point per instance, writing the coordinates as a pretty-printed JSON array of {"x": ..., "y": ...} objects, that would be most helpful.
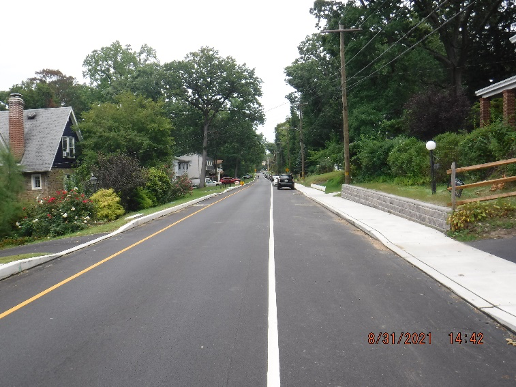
[
  {"x": 301, "y": 142},
  {"x": 345, "y": 125}
]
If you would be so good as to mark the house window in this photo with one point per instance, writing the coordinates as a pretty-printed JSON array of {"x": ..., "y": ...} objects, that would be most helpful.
[
  {"x": 68, "y": 144},
  {"x": 36, "y": 181}
]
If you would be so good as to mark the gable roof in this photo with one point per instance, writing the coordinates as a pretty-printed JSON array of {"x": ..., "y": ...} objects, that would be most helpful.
[{"x": 43, "y": 130}]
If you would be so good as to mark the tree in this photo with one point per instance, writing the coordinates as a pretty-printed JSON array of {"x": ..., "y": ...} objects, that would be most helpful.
[
  {"x": 462, "y": 25},
  {"x": 210, "y": 85},
  {"x": 133, "y": 126},
  {"x": 434, "y": 112},
  {"x": 11, "y": 185},
  {"x": 114, "y": 69},
  {"x": 50, "y": 89}
]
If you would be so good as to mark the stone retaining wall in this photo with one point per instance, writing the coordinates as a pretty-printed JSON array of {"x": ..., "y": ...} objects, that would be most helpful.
[{"x": 424, "y": 213}]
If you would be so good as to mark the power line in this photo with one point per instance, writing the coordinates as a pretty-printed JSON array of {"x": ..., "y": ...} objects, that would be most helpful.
[
  {"x": 395, "y": 43},
  {"x": 408, "y": 49}
]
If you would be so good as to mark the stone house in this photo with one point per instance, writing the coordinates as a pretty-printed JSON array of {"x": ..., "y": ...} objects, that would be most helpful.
[{"x": 42, "y": 142}]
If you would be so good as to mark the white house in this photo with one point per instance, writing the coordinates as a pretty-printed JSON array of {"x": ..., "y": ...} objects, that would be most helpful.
[{"x": 191, "y": 164}]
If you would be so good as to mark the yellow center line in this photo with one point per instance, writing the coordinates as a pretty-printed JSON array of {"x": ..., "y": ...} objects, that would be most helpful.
[{"x": 54, "y": 287}]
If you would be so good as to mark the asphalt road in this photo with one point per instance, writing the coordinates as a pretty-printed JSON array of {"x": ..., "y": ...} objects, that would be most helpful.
[{"x": 183, "y": 301}]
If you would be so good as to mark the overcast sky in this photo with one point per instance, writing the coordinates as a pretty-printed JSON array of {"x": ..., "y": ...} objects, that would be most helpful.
[{"x": 263, "y": 34}]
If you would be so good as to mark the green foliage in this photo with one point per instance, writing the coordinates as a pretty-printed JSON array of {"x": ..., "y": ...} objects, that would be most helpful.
[
  {"x": 468, "y": 214},
  {"x": 11, "y": 184},
  {"x": 115, "y": 69},
  {"x": 133, "y": 126},
  {"x": 107, "y": 205},
  {"x": 63, "y": 213},
  {"x": 446, "y": 152},
  {"x": 142, "y": 199},
  {"x": 158, "y": 185},
  {"x": 211, "y": 85},
  {"x": 326, "y": 159},
  {"x": 487, "y": 144},
  {"x": 371, "y": 155},
  {"x": 409, "y": 161},
  {"x": 181, "y": 187}
]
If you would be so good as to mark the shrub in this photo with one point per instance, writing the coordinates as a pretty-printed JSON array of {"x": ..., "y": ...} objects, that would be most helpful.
[
  {"x": 11, "y": 184},
  {"x": 409, "y": 162},
  {"x": 371, "y": 156},
  {"x": 107, "y": 205},
  {"x": 446, "y": 152},
  {"x": 487, "y": 144},
  {"x": 122, "y": 173},
  {"x": 63, "y": 213},
  {"x": 182, "y": 186},
  {"x": 143, "y": 199},
  {"x": 158, "y": 186},
  {"x": 470, "y": 213}
]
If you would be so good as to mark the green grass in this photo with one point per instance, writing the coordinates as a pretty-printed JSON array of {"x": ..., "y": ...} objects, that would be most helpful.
[{"x": 13, "y": 258}]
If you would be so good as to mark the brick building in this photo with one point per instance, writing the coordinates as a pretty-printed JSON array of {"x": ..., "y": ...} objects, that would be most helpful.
[{"x": 506, "y": 88}]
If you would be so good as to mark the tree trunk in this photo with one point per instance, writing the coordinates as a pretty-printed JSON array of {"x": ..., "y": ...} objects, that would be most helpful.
[{"x": 204, "y": 153}]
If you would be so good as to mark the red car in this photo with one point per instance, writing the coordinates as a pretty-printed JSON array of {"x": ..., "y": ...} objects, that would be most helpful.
[{"x": 228, "y": 180}]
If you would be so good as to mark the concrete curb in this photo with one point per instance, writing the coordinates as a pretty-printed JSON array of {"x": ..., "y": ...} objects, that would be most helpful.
[{"x": 11, "y": 268}]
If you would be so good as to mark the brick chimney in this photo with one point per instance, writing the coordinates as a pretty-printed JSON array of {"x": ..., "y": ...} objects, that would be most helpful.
[{"x": 16, "y": 128}]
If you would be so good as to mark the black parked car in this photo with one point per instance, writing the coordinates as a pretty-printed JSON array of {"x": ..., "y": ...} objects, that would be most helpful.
[{"x": 286, "y": 180}]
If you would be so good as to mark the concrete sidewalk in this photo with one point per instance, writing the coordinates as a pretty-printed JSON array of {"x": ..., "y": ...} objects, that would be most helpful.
[{"x": 484, "y": 280}]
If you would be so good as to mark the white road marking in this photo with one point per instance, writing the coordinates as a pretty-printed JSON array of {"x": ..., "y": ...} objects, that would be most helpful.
[{"x": 273, "y": 364}]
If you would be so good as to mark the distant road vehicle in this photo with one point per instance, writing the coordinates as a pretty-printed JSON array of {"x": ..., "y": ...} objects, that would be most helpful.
[
  {"x": 211, "y": 183},
  {"x": 207, "y": 182},
  {"x": 229, "y": 180},
  {"x": 285, "y": 180}
]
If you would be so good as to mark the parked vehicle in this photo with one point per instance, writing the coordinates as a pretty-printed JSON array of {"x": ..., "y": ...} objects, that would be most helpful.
[
  {"x": 207, "y": 182},
  {"x": 247, "y": 176},
  {"x": 211, "y": 183},
  {"x": 285, "y": 180},
  {"x": 229, "y": 180}
]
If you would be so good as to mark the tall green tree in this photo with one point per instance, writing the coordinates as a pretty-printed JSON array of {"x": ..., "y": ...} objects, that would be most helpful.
[
  {"x": 11, "y": 185},
  {"x": 211, "y": 84},
  {"x": 465, "y": 25},
  {"x": 51, "y": 88},
  {"x": 116, "y": 68},
  {"x": 134, "y": 126}
]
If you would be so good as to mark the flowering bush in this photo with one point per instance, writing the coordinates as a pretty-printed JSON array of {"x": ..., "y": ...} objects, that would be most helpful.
[
  {"x": 60, "y": 214},
  {"x": 182, "y": 186}
]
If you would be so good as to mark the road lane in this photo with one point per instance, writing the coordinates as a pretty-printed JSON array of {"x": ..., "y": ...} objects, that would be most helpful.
[
  {"x": 335, "y": 286},
  {"x": 187, "y": 307}
]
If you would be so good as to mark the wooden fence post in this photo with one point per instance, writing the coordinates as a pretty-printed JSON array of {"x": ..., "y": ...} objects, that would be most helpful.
[{"x": 454, "y": 188}]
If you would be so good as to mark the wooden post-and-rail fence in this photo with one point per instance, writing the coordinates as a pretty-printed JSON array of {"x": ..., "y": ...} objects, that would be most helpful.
[{"x": 454, "y": 203}]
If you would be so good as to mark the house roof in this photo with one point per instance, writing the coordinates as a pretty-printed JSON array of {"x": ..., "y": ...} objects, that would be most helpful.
[
  {"x": 497, "y": 88},
  {"x": 43, "y": 130}
]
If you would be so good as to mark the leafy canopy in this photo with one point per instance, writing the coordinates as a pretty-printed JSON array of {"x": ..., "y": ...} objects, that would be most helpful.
[{"x": 133, "y": 126}]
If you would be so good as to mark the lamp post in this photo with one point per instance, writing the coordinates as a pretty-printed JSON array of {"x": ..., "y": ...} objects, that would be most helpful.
[
  {"x": 93, "y": 183},
  {"x": 430, "y": 145}
]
